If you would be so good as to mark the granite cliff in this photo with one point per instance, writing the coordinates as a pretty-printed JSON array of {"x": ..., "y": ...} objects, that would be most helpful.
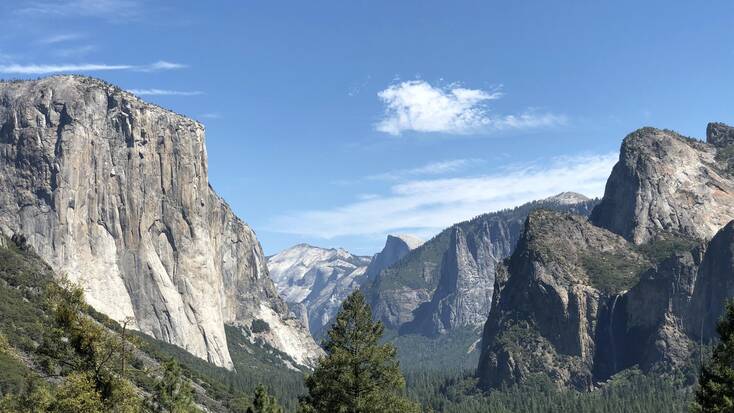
[{"x": 113, "y": 192}]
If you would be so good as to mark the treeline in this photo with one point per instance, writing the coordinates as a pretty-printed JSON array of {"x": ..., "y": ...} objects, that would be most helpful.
[{"x": 59, "y": 355}]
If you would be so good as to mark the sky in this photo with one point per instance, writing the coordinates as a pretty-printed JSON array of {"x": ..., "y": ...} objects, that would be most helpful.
[{"x": 336, "y": 123}]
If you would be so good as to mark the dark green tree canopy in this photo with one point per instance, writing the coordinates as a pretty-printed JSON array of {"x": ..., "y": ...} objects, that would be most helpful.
[
  {"x": 358, "y": 374},
  {"x": 264, "y": 402},
  {"x": 716, "y": 382}
]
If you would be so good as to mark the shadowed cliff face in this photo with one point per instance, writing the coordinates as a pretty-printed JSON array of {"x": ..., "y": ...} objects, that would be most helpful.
[
  {"x": 114, "y": 193},
  {"x": 547, "y": 308},
  {"x": 578, "y": 303}
]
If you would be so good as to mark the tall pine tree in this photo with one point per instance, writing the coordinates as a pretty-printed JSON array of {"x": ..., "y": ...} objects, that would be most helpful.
[
  {"x": 358, "y": 374},
  {"x": 263, "y": 402},
  {"x": 716, "y": 382}
]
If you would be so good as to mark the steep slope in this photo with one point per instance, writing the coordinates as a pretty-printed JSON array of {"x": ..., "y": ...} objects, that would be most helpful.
[
  {"x": 114, "y": 193},
  {"x": 447, "y": 282},
  {"x": 661, "y": 292},
  {"x": 545, "y": 315},
  {"x": 317, "y": 278}
]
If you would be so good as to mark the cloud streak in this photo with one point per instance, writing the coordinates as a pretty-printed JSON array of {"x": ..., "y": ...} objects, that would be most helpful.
[
  {"x": 426, "y": 206},
  {"x": 108, "y": 9},
  {"x": 433, "y": 168},
  {"x": 420, "y": 107},
  {"x": 164, "y": 92},
  {"x": 42, "y": 69},
  {"x": 60, "y": 38}
]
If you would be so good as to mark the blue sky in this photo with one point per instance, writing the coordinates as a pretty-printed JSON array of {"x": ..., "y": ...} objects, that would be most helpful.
[{"x": 337, "y": 122}]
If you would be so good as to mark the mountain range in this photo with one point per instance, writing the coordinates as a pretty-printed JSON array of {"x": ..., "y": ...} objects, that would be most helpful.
[
  {"x": 314, "y": 281},
  {"x": 112, "y": 193}
]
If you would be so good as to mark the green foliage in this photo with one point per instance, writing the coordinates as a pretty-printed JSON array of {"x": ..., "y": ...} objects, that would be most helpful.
[
  {"x": 358, "y": 374},
  {"x": 444, "y": 352},
  {"x": 632, "y": 391},
  {"x": 716, "y": 382},
  {"x": 662, "y": 248},
  {"x": 612, "y": 272},
  {"x": 263, "y": 402},
  {"x": 172, "y": 391},
  {"x": 78, "y": 393},
  {"x": 259, "y": 326},
  {"x": 32, "y": 396}
]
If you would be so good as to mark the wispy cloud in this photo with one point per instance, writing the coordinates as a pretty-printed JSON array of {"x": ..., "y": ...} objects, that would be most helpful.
[
  {"x": 161, "y": 65},
  {"x": 164, "y": 92},
  {"x": 108, "y": 9},
  {"x": 418, "y": 106},
  {"x": 211, "y": 115},
  {"x": 40, "y": 69},
  {"x": 74, "y": 51},
  {"x": 60, "y": 38},
  {"x": 433, "y": 168},
  {"x": 429, "y": 205}
]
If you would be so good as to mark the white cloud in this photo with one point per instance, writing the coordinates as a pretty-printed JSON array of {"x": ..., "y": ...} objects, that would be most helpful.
[
  {"x": 60, "y": 38},
  {"x": 161, "y": 65},
  {"x": 433, "y": 168},
  {"x": 35, "y": 69},
  {"x": 164, "y": 92},
  {"x": 429, "y": 205},
  {"x": 417, "y": 106}
]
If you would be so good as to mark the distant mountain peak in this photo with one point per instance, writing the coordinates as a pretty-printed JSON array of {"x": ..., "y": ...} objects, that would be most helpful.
[
  {"x": 567, "y": 198},
  {"x": 411, "y": 241}
]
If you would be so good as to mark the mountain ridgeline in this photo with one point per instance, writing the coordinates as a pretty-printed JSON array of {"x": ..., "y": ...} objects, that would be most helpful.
[
  {"x": 447, "y": 283},
  {"x": 642, "y": 283},
  {"x": 113, "y": 193},
  {"x": 315, "y": 281}
]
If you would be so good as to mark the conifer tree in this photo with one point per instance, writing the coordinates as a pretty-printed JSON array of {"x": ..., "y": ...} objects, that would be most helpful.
[
  {"x": 263, "y": 402},
  {"x": 172, "y": 392},
  {"x": 358, "y": 374},
  {"x": 716, "y": 381}
]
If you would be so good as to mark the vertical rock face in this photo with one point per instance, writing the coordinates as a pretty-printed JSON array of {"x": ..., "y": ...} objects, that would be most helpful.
[
  {"x": 666, "y": 183},
  {"x": 714, "y": 285},
  {"x": 114, "y": 193},
  {"x": 396, "y": 247},
  {"x": 448, "y": 282}
]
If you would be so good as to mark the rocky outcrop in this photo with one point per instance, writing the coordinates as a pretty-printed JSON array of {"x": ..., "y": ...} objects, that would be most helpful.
[
  {"x": 317, "y": 279},
  {"x": 447, "y": 282},
  {"x": 579, "y": 304},
  {"x": 665, "y": 183},
  {"x": 396, "y": 247},
  {"x": 114, "y": 193},
  {"x": 546, "y": 312}
]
